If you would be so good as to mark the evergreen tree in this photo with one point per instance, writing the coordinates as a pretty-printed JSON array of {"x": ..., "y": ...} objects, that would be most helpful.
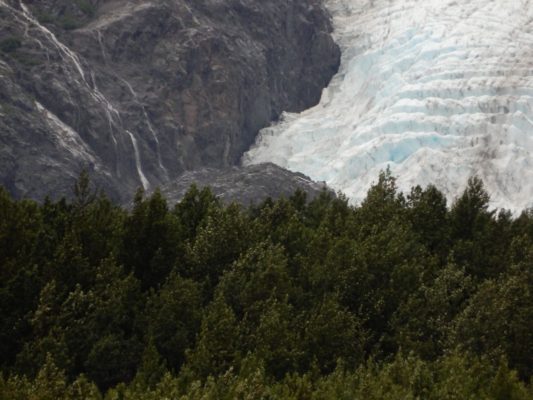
[
  {"x": 394, "y": 298},
  {"x": 173, "y": 317}
]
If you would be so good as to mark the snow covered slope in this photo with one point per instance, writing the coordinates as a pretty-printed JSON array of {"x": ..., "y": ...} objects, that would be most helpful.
[{"x": 439, "y": 90}]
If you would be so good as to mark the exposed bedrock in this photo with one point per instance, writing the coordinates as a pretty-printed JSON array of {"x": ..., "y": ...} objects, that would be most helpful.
[
  {"x": 245, "y": 185},
  {"x": 139, "y": 91}
]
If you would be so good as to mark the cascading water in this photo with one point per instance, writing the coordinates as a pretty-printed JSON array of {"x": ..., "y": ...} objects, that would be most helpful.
[
  {"x": 67, "y": 137},
  {"x": 69, "y": 55},
  {"x": 438, "y": 90},
  {"x": 138, "y": 163},
  {"x": 65, "y": 53},
  {"x": 26, "y": 18},
  {"x": 148, "y": 124}
]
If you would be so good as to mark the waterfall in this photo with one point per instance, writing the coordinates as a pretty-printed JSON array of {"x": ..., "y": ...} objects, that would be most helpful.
[
  {"x": 148, "y": 124},
  {"x": 138, "y": 165}
]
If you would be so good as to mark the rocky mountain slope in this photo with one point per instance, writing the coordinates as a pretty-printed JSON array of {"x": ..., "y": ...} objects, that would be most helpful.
[
  {"x": 138, "y": 91},
  {"x": 245, "y": 185}
]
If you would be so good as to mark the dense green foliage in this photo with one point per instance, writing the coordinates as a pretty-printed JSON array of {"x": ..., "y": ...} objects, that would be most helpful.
[{"x": 400, "y": 297}]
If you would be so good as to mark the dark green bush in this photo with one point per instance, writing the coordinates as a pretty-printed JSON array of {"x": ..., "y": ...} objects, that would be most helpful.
[
  {"x": 86, "y": 7},
  {"x": 27, "y": 60},
  {"x": 10, "y": 44},
  {"x": 45, "y": 18},
  {"x": 69, "y": 23}
]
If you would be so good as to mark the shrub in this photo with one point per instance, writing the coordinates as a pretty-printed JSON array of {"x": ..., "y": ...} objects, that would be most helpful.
[
  {"x": 10, "y": 44},
  {"x": 45, "y": 18},
  {"x": 86, "y": 7},
  {"x": 69, "y": 23}
]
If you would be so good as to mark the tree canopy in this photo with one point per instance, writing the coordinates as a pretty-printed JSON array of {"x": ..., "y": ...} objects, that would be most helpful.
[{"x": 399, "y": 297}]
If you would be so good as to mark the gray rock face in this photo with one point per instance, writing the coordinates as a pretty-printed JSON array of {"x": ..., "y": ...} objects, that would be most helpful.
[
  {"x": 244, "y": 185},
  {"x": 139, "y": 91}
]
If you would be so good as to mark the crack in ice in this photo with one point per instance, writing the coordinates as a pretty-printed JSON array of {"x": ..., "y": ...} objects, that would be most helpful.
[{"x": 437, "y": 90}]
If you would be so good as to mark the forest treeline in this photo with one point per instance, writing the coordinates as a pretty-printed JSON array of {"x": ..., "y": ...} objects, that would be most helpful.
[{"x": 401, "y": 297}]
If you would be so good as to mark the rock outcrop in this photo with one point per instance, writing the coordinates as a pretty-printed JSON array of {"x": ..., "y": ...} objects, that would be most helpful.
[
  {"x": 245, "y": 185},
  {"x": 139, "y": 91}
]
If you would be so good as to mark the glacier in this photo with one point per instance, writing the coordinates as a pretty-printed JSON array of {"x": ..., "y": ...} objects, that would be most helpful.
[{"x": 436, "y": 90}]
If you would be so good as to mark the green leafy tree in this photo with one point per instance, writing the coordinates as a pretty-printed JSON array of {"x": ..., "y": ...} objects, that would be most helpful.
[
  {"x": 113, "y": 358},
  {"x": 150, "y": 240},
  {"x": 382, "y": 205},
  {"x": 217, "y": 349},
  {"x": 87, "y": 330},
  {"x": 83, "y": 389},
  {"x": 192, "y": 210},
  {"x": 276, "y": 339},
  {"x": 496, "y": 322},
  {"x": 224, "y": 236},
  {"x": 50, "y": 383},
  {"x": 331, "y": 333},
  {"x": 173, "y": 317},
  {"x": 423, "y": 322},
  {"x": 288, "y": 299},
  {"x": 473, "y": 231},
  {"x": 429, "y": 218},
  {"x": 152, "y": 368},
  {"x": 20, "y": 279},
  {"x": 259, "y": 275}
]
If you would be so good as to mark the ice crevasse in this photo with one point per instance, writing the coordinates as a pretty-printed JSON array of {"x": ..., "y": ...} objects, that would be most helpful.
[{"x": 437, "y": 90}]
